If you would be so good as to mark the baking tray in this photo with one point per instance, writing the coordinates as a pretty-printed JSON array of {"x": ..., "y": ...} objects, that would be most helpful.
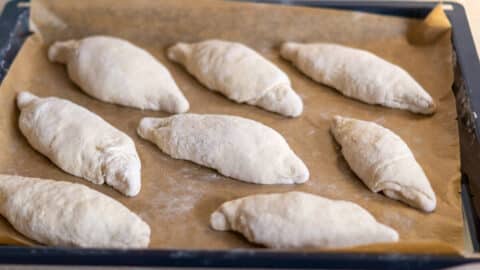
[{"x": 14, "y": 30}]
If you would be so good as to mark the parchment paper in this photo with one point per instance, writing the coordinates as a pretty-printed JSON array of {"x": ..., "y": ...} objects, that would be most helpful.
[{"x": 178, "y": 196}]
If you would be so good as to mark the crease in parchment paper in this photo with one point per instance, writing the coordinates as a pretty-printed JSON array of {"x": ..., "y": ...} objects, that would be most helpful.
[{"x": 430, "y": 29}]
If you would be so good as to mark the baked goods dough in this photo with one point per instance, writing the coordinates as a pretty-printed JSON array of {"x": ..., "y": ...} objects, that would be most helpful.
[
  {"x": 234, "y": 146},
  {"x": 80, "y": 142},
  {"x": 115, "y": 71},
  {"x": 360, "y": 75},
  {"x": 299, "y": 220},
  {"x": 65, "y": 214},
  {"x": 239, "y": 73},
  {"x": 383, "y": 161}
]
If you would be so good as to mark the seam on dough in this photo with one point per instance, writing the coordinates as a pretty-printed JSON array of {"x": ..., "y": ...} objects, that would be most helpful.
[
  {"x": 403, "y": 187},
  {"x": 388, "y": 162},
  {"x": 256, "y": 99},
  {"x": 399, "y": 103},
  {"x": 403, "y": 105}
]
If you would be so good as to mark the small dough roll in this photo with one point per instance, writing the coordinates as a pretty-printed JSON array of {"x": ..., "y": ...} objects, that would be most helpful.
[
  {"x": 239, "y": 73},
  {"x": 384, "y": 162},
  {"x": 234, "y": 146},
  {"x": 300, "y": 220},
  {"x": 360, "y": 75},
  {"x": 80, "y": 142},
  {"x": 114, "y": 70},
  {"x": 65, "y": 214}
]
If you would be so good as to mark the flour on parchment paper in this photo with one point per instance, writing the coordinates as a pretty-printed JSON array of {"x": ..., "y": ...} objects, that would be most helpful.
[
  {"x": 185, "y": 190},
  {"x": 400, "y": 221},
  {"x": 192, "y": 174}
]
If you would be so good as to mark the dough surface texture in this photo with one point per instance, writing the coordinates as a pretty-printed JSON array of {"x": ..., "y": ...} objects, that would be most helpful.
[
  {"x": 80, "y": 142},
  {"x": 116, "y": 71},
  {"x": 65, "y": 214},
  {"x": 300, "y": 220},
  {"x": 234, "y": 146},
  {"x": 360, "y": 75},
  {"x": 239, "y": 73},
  {"x": 383, "y": 161}
]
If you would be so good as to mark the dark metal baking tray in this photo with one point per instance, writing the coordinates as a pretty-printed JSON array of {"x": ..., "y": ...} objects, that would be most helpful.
[{"x": 14, "y": 30}]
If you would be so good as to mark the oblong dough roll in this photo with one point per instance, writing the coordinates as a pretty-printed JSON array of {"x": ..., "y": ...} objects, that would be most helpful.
[
  {"x": 115, "y": 71},
  {"x": 359, "y": 74},
  {"x": 234, "y": 146},
  {"x": 66, "y": 214},
  {"x": 383, "y": 161},
  {"x": 298, "y": 220},
  {"x": 239, "y": 73},
  {"x": 80, "y": 142}
]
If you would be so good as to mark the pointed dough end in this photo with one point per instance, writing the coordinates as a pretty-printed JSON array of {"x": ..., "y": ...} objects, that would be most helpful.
[
  {"x": 173, "y": 103},
  {"x": 419, "y": 201},
  {"x": 281, "y": 99},
  {"x": 300, "y": 172},
  {"x": 219, "y": 222},
  {"x": 178, "y": 52},
  {"x": 60, "y": 51},
  {"x": 337, "y": 120},
  {"x": 143, "y": 236},
  {"x": 337, "y": 123},
  {"x": 150, "y": 124},
  {"x": 145, "y": 126},
  {"x": 429, "y": 206},
  {"x": 180, "y": 105},
  {"x": 388, "y": 234},
  {"x": 24, "y": 98},
  {"x": 288, "y": 50},
  {"x": 132, "y": 177},
  {"x": 431, "y": 108},
  {"x": 124, "y": 176},
  {"x": 420, "y": 101},
  {"x": 302, "y": 178}
]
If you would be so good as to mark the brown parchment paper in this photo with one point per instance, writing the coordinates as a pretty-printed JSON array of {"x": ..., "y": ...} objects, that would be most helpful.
[{"x": 178, "y": 196}]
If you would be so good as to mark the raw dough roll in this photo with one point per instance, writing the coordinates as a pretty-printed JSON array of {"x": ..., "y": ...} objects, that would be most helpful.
[
  {"x": 80, "y": 142},
  {"x": 384, "y": 162},
  {"x": 115, "y": 71},
  {"x": 234, "y": 146},
  {"x": 360, "y": 75},
  {"x": 239, "y": 73},
  {"x": 65, "y": 214},
  {"x": 299, "y": 220}
]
